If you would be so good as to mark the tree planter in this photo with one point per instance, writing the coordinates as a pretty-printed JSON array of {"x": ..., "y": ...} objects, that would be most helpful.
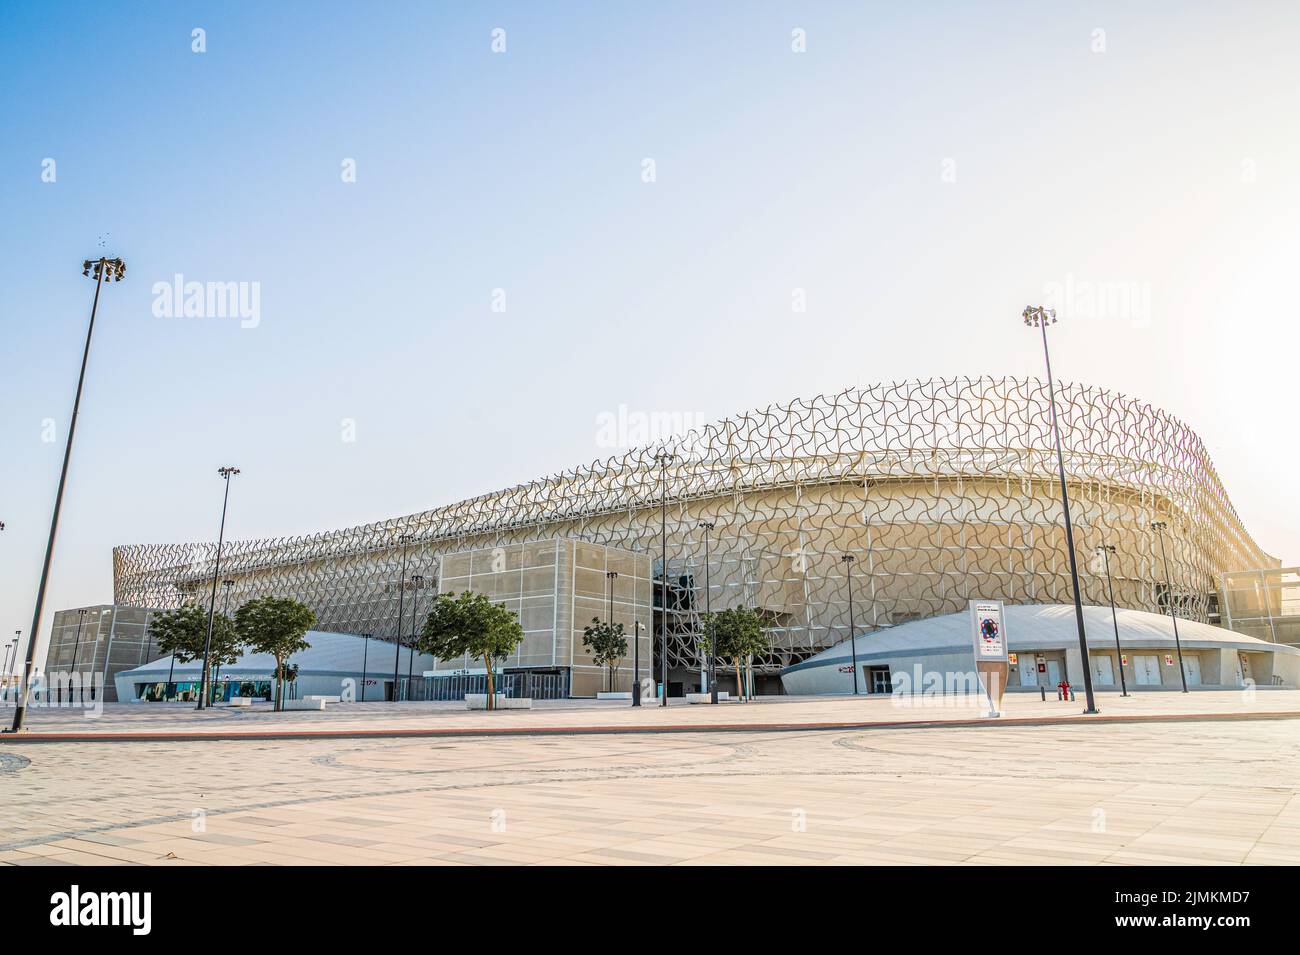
[
  {"x": 303, "y": 705},
  {"x": 478, "y": 701},
  {"x": 614, "y": 695}
]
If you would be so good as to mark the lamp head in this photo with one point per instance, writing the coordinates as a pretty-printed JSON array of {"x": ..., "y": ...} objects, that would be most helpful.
[
  {"x": 227, "y": 473},
  {"x": 848, "y": 558},
  {"x": 1036, "y": 315},
  {"x": 1158, "y": 525}
]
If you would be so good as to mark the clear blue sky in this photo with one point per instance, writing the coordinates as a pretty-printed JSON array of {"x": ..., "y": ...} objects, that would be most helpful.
[{"x": 1166, "y": 163}]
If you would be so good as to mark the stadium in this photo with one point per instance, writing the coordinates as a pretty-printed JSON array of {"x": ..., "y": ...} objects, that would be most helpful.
[{"x": 942, "y": 490}]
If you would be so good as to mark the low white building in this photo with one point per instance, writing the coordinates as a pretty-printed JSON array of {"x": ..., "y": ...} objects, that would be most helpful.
[
  {"x": 332, "y": 659},
  {"x": 1044, "y": 643}
]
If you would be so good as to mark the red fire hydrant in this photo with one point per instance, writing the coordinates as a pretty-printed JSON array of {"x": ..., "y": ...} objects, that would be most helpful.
[{"x": 1063, "y": 690}]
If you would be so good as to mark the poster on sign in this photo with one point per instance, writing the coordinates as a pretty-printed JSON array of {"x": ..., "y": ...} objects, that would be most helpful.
[
  {"x": 989, "y": 636},
  {"x": 989, "y": 642}
]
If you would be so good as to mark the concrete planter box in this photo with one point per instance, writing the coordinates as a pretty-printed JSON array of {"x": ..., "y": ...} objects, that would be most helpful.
[
  {"x": 614, "y": 695},
  {"x": 707, "y": 697},
  {"x": 240, "y": 701},
  {"x": 304, "y": 705},
  {"x": 478, "y": 701}
]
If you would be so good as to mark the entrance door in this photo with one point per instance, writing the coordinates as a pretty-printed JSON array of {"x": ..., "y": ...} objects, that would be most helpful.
[
  {"x": 879, "y": 680},
  {"x": 1103, "y": 670},
  {"x": 1192, "y": 667},
  {"x": 1146, "y": 668},
  {"x": 1243, "y": 669},
  {"x": 1053, "y": 673},
  {"x": 1028, "y": 673}
]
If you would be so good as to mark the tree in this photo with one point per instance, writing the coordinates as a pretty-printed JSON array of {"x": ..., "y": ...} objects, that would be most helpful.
[
  {"x": 180, "y": 632},
  {"x": 469, "y": 624},
  {"x": 738, "y": 634},
  {"x": 607, "y": 644},
  {"x": 278, "y": 626},
  {"x": 183, "y": 631}
]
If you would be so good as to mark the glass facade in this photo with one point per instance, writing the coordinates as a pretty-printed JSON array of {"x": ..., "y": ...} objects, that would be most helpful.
[
  {"x": 100, "y": 642},
  {"x": 557, "y": 587},
  {"x": 1263, "y": 603}
]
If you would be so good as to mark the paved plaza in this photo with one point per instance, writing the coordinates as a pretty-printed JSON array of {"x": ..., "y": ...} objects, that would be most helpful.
[{"x": 1181, "y": 790}]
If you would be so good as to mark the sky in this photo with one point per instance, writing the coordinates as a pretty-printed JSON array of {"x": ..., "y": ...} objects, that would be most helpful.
[{"x": 475, "y": 232}]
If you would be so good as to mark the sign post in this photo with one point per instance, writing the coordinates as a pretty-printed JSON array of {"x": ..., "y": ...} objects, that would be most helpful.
[{"x": 989, "y": 638}]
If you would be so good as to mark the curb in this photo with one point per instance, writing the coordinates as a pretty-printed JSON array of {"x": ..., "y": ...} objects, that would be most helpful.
[{"x": 615, "y": 730}]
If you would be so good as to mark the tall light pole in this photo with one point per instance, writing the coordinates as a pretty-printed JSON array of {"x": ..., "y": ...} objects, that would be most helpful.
[
  {"x": 1159, "y": 527},
  {"x": 1039, "y": 317},
  {"x": 636, "y": 662},
  {"x": 610, "y": 576},
  {"x": 848, "y": 560},
  {"x": 76, "y": 645},
  {"x": 662, "y": 459},
  {"x": 1105, "y": 550},
  {"x": 417, "y": 581},
  {"x": 226, "y": 475},
  {"x": 13, "y": 662},
  {"x": 225, "y": 612},
  {"x": 365, "y": 658},
  {"x": 707, "y": 526},
  {"x": 401, "y": 609},
  {"x": 100, "y": 269}
]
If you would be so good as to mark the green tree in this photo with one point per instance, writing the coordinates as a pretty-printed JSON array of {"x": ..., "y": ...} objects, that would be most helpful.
[
  {"x": 608, "y": 645},
  {"x": 182, "y": 633},
  {"x": 278, "y": 626},
  {"x": 738, "y": 634},
  {"x": 469, "y": 624}
]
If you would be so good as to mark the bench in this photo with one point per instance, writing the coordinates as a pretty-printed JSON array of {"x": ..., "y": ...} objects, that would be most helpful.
[
  {"x": 707, "y": 697},
  {"x": 616, "y": 695},
  {"x": 478, "y": 701},
  {"x": 240, "y": 701},
  {"x": 324, "y": 698}
]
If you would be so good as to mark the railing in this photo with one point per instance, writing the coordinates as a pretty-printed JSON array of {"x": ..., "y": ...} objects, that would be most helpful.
[{"x": 536, "y": 686}]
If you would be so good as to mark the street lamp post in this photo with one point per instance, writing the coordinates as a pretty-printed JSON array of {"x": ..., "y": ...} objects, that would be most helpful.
[
  {"x": 225, "y": 612},
  {"x": 662, "y": 459},
  {"x": 1039, "y": 317},
  {"x": 848, "y": 560},
  {"x": 226, "y": 475},
  {"x": 417, "y": 581},
  {"x": 76, "y": 644},
  {"x": 611, "y": 576},
  {"x": 707, "y": 526},
  {"x": 1159, "y": 527},
  {"x": 636, "y": 662},
  {"x": 365, "y": 658},
  {"x": 102, "y": 268},
  {"x": 401, "y": 609},
  {"x": 1106, "y": 550}
]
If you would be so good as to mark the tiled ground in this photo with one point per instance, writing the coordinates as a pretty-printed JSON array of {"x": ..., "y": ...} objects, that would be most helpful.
[
  {"x": 150, "y": 718},
  {"x": 1182, "y": 792}
]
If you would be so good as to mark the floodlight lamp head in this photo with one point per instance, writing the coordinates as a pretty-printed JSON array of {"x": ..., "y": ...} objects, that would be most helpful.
[{"x": 1036, "y": 315}]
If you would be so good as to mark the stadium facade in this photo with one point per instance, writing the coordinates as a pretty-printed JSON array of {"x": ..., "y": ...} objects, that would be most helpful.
[{"x": 943, "y": 490}]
